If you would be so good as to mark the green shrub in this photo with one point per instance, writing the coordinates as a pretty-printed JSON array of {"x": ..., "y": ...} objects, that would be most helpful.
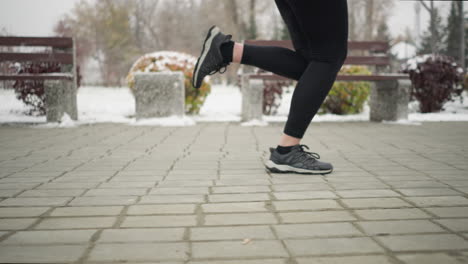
[
  {"x": 347, "y": 97},
  {"x": 173, "y": 61}
]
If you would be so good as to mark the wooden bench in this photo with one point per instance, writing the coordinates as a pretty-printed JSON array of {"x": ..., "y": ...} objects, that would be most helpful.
[
  {"x": 60, "y": 88},
  {"x": 389, "y": 91}
]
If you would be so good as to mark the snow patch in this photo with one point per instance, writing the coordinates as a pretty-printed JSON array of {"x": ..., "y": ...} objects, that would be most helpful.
[
  {"x": 223, "y": 104},
  {"x": 65, "y": 122},
  {"x": 173, "y": 120},
  {"x": 402, "y": 122},
  {"x": 255, "y": 122}
]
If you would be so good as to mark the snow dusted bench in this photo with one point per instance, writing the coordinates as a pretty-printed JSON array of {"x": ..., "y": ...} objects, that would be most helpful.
[
  {"x": 60, "y": 88},
  {"x": 159, "y": 94},
  {"x": 389, "y": 91}
]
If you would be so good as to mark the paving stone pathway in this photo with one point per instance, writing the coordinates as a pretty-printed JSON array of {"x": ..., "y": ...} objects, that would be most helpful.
[{"x": 200, "y": 195}]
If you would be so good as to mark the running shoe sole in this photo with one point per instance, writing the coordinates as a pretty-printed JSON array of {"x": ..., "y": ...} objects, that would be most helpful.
[
  {"x": 280, "y": 168},
  {"x": 206, "y": 47}
]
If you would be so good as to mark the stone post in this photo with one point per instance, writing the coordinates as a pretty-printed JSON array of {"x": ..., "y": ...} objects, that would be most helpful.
[
  {"x": 58, "y": 97},
  {"x": 389, "y": 100},
  {"x": 252, "y": 98},
  {"x": 159, "y": 94}
]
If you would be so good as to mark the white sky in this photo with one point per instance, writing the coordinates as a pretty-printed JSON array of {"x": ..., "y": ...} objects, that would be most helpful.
[{"x": 37, "y": 17}]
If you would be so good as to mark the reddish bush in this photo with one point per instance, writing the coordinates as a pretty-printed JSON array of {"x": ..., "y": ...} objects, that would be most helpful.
[
  {"x": 436, "y": 79},
  {"x": 32, "y": 92},
  {"x": 272, "y": 94}
]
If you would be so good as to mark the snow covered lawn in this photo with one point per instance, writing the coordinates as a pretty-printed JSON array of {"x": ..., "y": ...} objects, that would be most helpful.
[{"x": 100, "y": 104}]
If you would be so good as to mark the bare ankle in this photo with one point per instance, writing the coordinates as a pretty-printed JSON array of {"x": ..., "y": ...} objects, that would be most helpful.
[
  {"x": 287, "y": 140},
  {"x": 237, "y": 52}
]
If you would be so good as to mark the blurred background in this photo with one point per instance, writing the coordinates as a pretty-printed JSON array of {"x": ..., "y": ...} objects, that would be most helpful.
[{"x": 111, "y": 35}]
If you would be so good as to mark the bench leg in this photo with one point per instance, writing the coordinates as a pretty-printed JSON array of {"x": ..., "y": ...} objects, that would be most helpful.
[
  {"x": 252, "y": 98},
  {"x": 389, "y": 100},
  {"x": 70, "y": 99},
  {"x": 54, "y": 101}
]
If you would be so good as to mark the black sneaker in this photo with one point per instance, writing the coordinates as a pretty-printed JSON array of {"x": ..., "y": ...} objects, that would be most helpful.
[
  {"x": 298, "y": 161},
  {"x": 210, "y": 60}
]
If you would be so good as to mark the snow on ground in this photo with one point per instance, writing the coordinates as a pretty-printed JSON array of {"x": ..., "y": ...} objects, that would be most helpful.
[{"x": 116, "y": 105}]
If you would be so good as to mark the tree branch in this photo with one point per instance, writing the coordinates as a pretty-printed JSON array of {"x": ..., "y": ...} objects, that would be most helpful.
[{"x": 425, "y": 6}]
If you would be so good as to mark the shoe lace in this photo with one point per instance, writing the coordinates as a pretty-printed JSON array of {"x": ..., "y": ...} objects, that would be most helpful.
[
  {"x": 223, "y": 66},
  {"x": 307, "y": 154},
  {"x": 221, "y": 69}
]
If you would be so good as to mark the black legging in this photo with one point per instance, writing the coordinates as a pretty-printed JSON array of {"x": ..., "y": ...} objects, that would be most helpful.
[{"x": 319, "y": 32}]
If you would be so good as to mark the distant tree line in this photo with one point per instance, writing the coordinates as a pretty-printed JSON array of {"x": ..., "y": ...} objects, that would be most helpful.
[{"x": 114, "y": 33}]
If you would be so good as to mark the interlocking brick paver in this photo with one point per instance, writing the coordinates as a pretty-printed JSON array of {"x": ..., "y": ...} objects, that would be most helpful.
[
  {"x": 300, "y": 195},
  {"x": 457, "y": 225},
  {"x": 166, "y": 199},
  {"x": 306, "y": 205},
  {"x": 181, "y": 190},
  {"x": 300, "y": 187},
  {"x": 240, "y": 219},
  {"x": 257, "y": 261},
  {"x": 439, "y": 201},
  {"x": 367, "y": 193},
  {"x": 87, "y": 211},
  {"x": 104, "y": 200},
  {"x": 231, "y": 232},
  {"x": 76, "y": 222},
  {"x": 52, "y": 193},
  {"x": 41, "y": 254},
  {"x": 375, "y": 203},
  {"x": 318, "y": 216},
  {"x": 390, "y": 214},
  {"x": 316, "y": 230},
  {"x": 424, "y": 242},
  {"x": 428, "y": 192},
  {"x": 36, "y": 201},
  {"x": 240, "y": 189},
  {"x": 230, "y": 249},
  {"x": 16, "y": 223},
  {"x": 110, "y": 193},
  {"x": 161, "y": 209},
  {"x": 332, "y": 246},
  {"x": 234, "y": 207},
  {"x": 50, "y": 237},
  {"x": 242, "y": 197},
  {"x": 345, "y": 260},
  {"x": 159, "y": 221},
  {"x": 399, "y": 227},
  {"x": 116, "y": 192},
  {"x": 141, "y": 235},
  {"x": 437, "y": 258},
  {"x": 22, "y": 211},
  {"x": 449, "y": 211},
  {"x": 139, "y": 252}
]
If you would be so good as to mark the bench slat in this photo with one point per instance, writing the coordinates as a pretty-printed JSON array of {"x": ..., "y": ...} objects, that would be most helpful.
[
  {"x": 57, "y": 42},
  {"x": 37, "y": 77},
  {"x": 66, "y": 58},
  {"x": 379, "y": 77},
  {"x": 368, "y": 60},
  {"x": 374, "y": 46}
]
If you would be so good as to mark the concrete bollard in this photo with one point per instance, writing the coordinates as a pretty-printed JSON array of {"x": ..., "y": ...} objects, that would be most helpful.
[
  {"x": 389, "y": 100},
  {"x": 252, "y": 98},
  {"x": 159, "y": 94},
  {"x": 60, "y": 98}
]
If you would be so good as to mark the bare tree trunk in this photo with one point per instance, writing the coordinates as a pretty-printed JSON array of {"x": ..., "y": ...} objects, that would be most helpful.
[
  {"x": 369, "y": 20},
  {"x": 431, "y": 11},
  {"x": 462, "y": 35},
  {"x": 352, "y": 21}
]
